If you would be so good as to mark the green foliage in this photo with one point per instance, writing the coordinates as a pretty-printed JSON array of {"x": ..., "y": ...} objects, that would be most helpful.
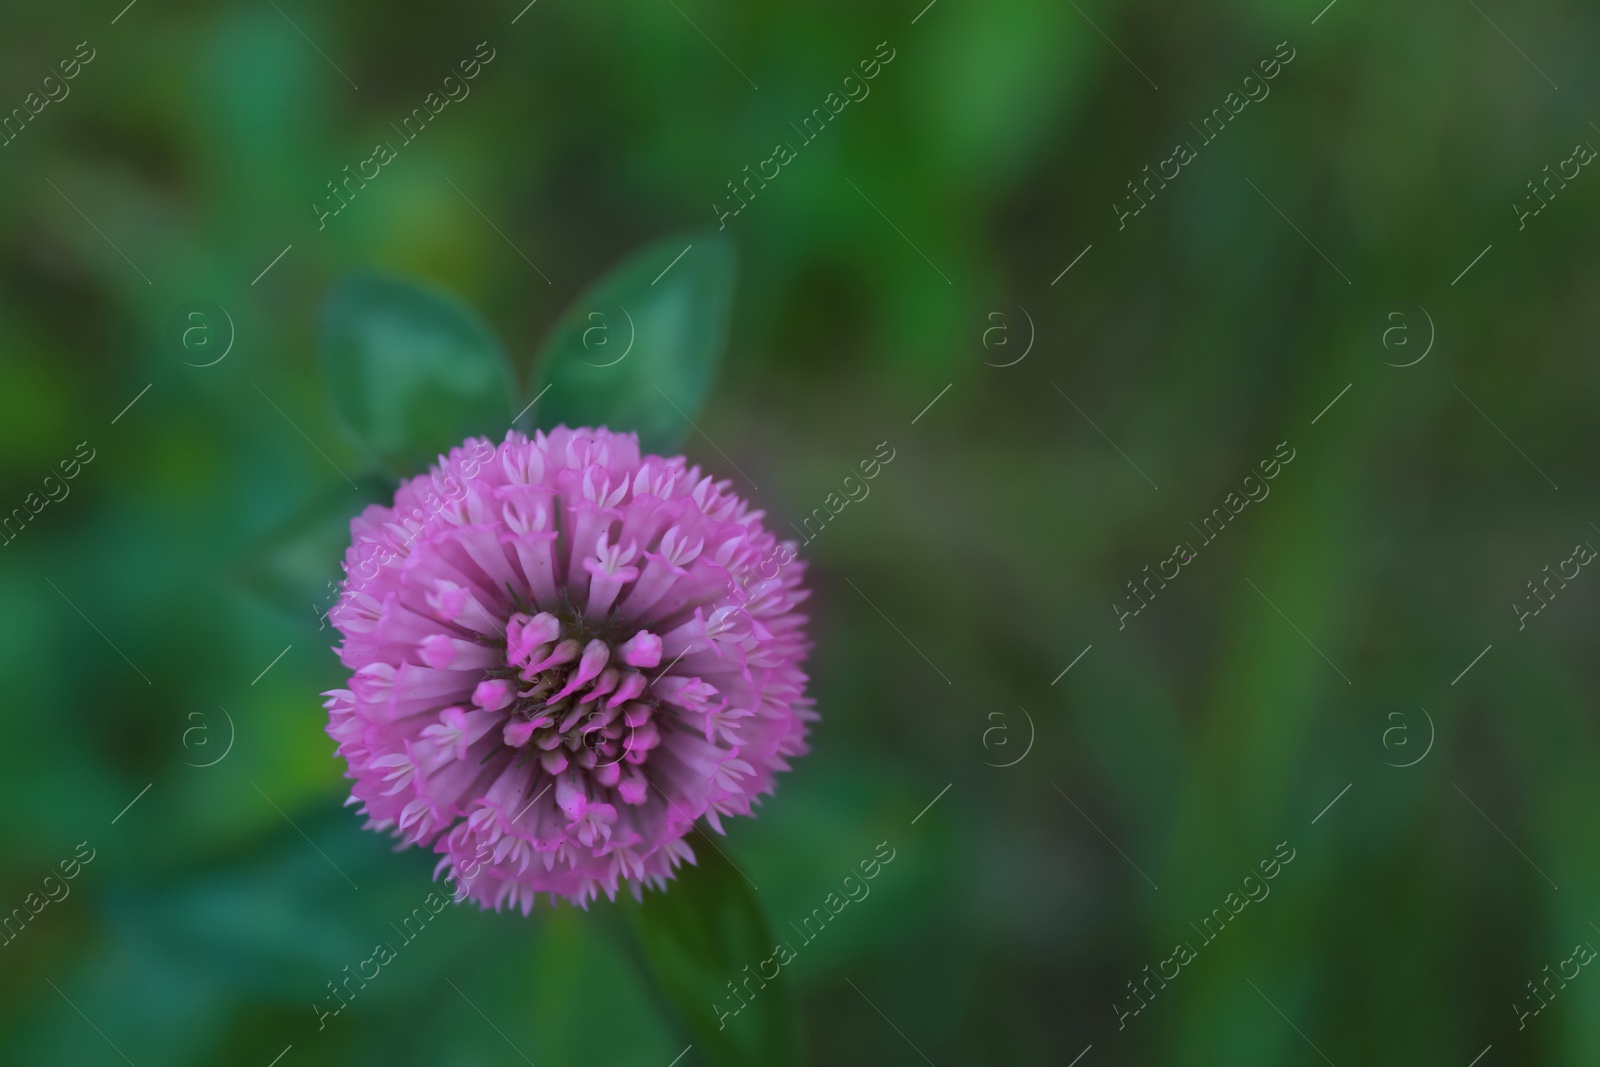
[
  {"x": 639, "y": 349},
  {"x": 991, "y": 151},
  {"x": 295, "y": 568},
  {"x": 707, "y": 932},
  {"x": 412, "y": 371}
]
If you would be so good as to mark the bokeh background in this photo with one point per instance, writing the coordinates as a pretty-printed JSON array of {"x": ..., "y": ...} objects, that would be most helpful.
[{"x": 1318, "y": 643}]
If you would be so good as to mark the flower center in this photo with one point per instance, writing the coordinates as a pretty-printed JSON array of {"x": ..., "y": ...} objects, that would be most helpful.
[{"x": 574, "y": 696}]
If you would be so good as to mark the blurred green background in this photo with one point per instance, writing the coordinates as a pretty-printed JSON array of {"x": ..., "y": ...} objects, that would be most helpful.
[{"x": 1291, "y": 659}]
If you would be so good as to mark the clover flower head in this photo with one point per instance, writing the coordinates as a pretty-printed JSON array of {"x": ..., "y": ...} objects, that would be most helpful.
[{"x": 563, "y": 654}]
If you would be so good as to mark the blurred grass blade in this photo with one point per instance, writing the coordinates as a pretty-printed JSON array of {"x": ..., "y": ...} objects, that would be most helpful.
[
  {"x": 412, "y": 371},
  {"x": 639, "y": 350},
  {"x": 701, "y": 935}
]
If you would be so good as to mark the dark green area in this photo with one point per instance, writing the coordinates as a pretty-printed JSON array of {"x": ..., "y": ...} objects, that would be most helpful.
[{"x": 916, "y": 240}]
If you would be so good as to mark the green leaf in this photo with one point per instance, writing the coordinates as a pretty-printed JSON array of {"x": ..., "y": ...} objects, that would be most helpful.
[
  {"x": 700, "y": 935},
  {"x": 639, "y": 350},
  {"x": 295, "y": 568},
  {"x": 412, "y": 371}
]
